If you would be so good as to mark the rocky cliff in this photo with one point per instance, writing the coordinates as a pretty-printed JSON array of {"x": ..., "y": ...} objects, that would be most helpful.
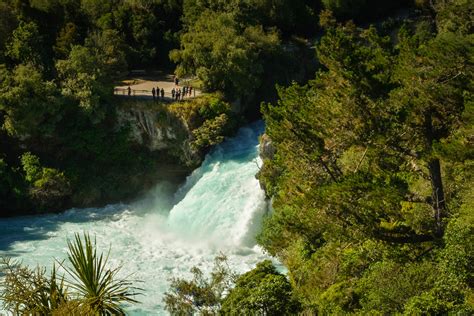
[{"x": 160, "y": 129}]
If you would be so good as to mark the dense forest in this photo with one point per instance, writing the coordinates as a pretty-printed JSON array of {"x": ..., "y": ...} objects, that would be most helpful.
[
  {"x": 60, "y": 144},
  {"x": 371, "y": 178},
  {"x": 369, "y": 169},
  {"x": 369, "y": 115}
]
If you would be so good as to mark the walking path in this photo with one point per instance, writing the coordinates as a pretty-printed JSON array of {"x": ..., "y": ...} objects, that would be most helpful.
[{"x": 143, "y": 88}]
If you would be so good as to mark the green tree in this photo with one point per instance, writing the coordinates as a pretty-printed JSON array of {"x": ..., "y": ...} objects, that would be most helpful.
[
  {"x": 224, "y": 55},
  {"x": 362, "y": 9},
  {"x": 200, "y": 295},
  {"x": 31, "y": 167},
  {"x": 261, "y": 291},
  {"x": 68, "y": 36},
  {"x": 431, "y": 98},
  {"x": 31, "y": 105},
  {"x": 26, "y": 44},
  {"x": 290, "y": 17},
  {"x": 8, "y": 22},
  {"x": 50, "y": 189},
  {"x": 370, "y": 168},
  {"x": 210, "y": 133},
  {"x": 109, "y": 48},
  {"x": 83, "y": 79}
]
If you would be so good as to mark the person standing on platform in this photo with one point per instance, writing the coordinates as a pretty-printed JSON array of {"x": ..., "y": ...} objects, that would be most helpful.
[
  {"x": 162, "y": 93},
  {"x": 153, "y": 92}
]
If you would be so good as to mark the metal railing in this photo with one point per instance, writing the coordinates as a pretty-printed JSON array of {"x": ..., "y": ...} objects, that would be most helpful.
[{"x": 148, "y": 94}]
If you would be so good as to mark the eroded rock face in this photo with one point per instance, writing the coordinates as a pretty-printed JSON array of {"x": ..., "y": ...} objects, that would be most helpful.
[
  {"x": 159, "y": 130},
  {"x": 267, "y": 150},
  {"x": 147, "y": 129}
]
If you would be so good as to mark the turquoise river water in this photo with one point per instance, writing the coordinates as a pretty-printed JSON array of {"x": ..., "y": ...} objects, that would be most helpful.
[{"x": 218, "y": 210}]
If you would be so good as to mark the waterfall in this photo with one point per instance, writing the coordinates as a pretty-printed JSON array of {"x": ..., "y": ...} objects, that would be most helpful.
[
  {"x": 217, "y": 210},
  {"x": 223, "y": 201}
]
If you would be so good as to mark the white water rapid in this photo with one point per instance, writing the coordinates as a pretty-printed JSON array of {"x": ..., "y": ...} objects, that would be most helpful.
[{"x": 218, "y": 209}]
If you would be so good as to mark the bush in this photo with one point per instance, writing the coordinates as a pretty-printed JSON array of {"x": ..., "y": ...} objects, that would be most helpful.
[
  {"x": 261, "y": 291},
  {"x": 210, "y": 133},
  {"x": 49, "y": 188}
]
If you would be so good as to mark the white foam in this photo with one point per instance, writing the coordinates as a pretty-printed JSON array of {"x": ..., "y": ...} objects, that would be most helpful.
[{"x": 218, "y": 209}]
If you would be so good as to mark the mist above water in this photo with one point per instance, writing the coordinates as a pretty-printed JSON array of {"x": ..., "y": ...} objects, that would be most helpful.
[{"x": 218, "y": 210}]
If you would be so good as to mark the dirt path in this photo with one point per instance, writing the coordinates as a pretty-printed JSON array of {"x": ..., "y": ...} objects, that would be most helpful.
[{"x": 143, "y": 86}]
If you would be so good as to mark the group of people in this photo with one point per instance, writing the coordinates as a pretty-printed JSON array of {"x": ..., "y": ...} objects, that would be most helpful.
[
  {"x": 179, "y": 94},
  {"x": 157, "y": 93}
]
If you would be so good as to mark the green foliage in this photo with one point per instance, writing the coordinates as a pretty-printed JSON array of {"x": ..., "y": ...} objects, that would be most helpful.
[
  {"x": 87, "y": 74},
  {"x": 13, "y": 188},
  {"x": 454, "y": 16},
  {"x": 68, "y": 36},
  {"x": 210, "y": 133},
  {"x": 387, "y": 286},
  {"x": 109, "y": 47},
  {"x": 290, "y": 17},
  {"x": 93, "y": 290},
  {"x": 83, "y": 79},
  {"x": 94, "y": 283},
  {"x": 361, "y": 9},
  {"x": 30, "y": 291},
  {"x": 371, "y": 168},
  {"x": 224, "y": 55},
  {"x": 26, "y": 44},
  {"x": 208, "y": 118},
  {"x": 51, "y": 191},
  {"x": 200, "y": 295},
  {"x": 30, "y": 103},
  {"x": 8, "y": 22},
  {"x": 261, "y": 291},
  {"x": 31, "y": 167},
  {"x": 49, "y": 188},
  {"x": 214, "y": 107}
]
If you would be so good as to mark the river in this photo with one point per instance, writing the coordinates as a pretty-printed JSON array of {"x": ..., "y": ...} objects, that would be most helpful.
[{"x": 218, "y": 210}]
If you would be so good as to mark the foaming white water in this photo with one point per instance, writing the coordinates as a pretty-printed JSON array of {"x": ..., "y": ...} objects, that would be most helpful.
[{"x": 218, "y": 210}]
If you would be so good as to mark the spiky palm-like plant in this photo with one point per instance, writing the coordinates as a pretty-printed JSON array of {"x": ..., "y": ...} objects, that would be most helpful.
[{"x": 96, "y": 285}]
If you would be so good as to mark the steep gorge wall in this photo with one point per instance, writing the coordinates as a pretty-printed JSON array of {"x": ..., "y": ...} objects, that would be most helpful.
[{"x": 156, "y": 127}]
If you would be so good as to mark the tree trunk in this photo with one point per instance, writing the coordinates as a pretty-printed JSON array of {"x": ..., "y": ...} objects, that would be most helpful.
[
  {"x": 434, "y": 167},
  {"x": 439, "y": 202}
]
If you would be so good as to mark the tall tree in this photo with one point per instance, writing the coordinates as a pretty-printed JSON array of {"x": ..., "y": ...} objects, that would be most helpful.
[
  {"x": 363, "y": 178},
  {"x": 225, "y": 55}
]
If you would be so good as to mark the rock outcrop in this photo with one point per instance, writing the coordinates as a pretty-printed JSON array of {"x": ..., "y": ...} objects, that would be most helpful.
[
  {"x": 160, "y": 130},
  {"x": 266, "y": 148}
]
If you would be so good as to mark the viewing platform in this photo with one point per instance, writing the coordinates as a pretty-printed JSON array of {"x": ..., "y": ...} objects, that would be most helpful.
[{"x": 141, "y": 87}]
